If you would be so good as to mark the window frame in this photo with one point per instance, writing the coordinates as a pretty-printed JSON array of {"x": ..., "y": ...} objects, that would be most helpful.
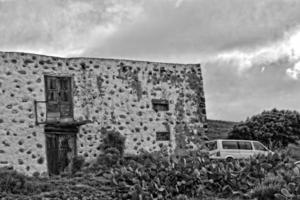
[
  {"x": 224, "y": 141},
  {"x": 59, "y": 101},
  {"x": 249, "y": 142},
  {"x": 163, "y": 132},
  {"x": 160, "y": 103}
]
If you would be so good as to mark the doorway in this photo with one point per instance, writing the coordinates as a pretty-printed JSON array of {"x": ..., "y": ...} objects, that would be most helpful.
[{"x": 60, "y": 148}]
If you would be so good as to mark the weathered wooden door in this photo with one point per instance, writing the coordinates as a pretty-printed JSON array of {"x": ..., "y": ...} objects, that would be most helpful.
[
  {"x": 61, "y": 148},
  {"x": 58, "y": 97},
  {"x": 52, "y": 152}
]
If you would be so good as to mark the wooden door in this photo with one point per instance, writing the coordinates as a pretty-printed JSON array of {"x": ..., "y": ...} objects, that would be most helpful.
[
  {"x": 52, "y": 152},
  {"x": 61, "y": 148},
  {"x": 58, "y": 97}
]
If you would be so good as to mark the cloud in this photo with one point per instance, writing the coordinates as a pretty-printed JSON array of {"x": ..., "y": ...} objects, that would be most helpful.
[
  {"x": 178, "y": 3},
  {"x": 288, "y": 46},
  {"x": 295, "y": 71},
  {"x": 59, "y": 27},
  {"x": 162, "y": 30},
  {"x": 249, "y": 49},
  {"x": 198, "y": 29},
  {"x": 232, "y": 95}
]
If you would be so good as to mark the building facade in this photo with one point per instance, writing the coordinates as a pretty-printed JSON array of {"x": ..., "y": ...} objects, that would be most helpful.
[{"x": 54, "y": 108}]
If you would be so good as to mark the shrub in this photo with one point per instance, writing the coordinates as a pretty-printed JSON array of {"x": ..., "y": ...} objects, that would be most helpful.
[
  {"x": 284, "y": 184},
  {"x": 112, "y": 147},
  {"x": 196, "y": 176},
  {"x": 16, "y": 183},
  {"x": 110, "y": 157},
  {"x": 11, "y": 181},
  {"x": 270, "y": 185},
  {"x": 113, "y": 139},
  {"x": 77, "y": 163},
  {"x": 274, "y": 128}
]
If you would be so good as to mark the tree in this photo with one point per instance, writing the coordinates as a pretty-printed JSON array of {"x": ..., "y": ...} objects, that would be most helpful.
[{"x": 274, "y": 128}]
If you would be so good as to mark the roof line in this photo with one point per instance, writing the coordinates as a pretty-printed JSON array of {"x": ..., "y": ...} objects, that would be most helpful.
[{"x": 75, "y": 58}]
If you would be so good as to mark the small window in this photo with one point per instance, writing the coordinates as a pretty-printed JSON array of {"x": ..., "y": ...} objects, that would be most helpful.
[
  {"x": 245, "y": 145},
  {"x": 162, "y": 136},
  {"x": 160, "y": 105},
  {"x": 258, "y": 146},
  {"x": 230, "y": 145},
  {"x": 211, "y": 145}
]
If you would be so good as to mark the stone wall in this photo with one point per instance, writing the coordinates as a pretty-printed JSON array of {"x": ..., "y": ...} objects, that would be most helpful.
[{"x": 113, "y": 94}]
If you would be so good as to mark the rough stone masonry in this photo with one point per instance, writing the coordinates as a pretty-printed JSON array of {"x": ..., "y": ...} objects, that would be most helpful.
[{"x": 52, "y": 108}]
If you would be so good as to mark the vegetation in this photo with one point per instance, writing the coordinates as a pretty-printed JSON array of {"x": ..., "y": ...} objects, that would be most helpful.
[
  {"x": 16, "y": 183},
  {"x": 218, "y": 129},
  {"x": 77, "y": 163},
  {"x": 113, "y": 146},
  {"x": 156, "y": 176},
  {"x": 113, "y": 139},
  {"x": 195, "y": 177},
  {"x": 274, "y": 128}
]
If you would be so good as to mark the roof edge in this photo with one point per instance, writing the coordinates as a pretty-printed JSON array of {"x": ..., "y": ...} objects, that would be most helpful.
[{"x": 98, "y": 58}]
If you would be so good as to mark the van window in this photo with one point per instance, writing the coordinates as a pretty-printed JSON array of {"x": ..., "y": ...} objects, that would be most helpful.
[
  {"x": 230, "y": 145},
  {"x": 211, "y": 145},
  {"x": 258, "y": 146},
  {"x": 245, "y": 145}
]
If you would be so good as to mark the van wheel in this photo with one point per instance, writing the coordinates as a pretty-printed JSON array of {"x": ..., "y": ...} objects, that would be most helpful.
[{"x": 229, "y": 159}]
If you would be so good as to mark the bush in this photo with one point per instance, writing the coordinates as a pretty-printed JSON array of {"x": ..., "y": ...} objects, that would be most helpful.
[
  {"x": 16, "y": 183},
  {"x": 112, "y": 147},
  {"x": 266, "y": 190},
  {"x": 77, "y": 163},
  {"x": 113, "y": 139},
  {"x": 110, "y": 157},
  {"x": 274, "y": 128},
  {"x": 196, "y": 176}
]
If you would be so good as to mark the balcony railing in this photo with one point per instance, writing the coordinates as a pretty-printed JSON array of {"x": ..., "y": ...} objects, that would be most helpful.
[{"x": 54, "y": 118}]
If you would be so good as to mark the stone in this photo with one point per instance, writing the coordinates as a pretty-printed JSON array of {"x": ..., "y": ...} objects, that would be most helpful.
[
  {"x": 22, "y": 72},
  {"x": 40, "y": 160}
]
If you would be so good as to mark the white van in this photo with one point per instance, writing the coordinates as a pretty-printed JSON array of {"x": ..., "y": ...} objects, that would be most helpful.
[{"x": 232, "y": 149}]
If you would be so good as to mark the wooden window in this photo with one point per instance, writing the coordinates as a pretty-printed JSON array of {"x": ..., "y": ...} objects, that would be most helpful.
[
  {"x": 160, "y": 105},
  {"x": 163, "y": 136},
  {"x": 59, "y": 97}
]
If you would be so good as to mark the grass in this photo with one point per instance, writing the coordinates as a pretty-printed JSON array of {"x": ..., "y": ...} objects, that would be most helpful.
[{"x": 218, "y": 129}]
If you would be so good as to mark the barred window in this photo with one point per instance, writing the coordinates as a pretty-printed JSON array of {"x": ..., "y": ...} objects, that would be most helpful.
[{"x": 163, "y": 136}]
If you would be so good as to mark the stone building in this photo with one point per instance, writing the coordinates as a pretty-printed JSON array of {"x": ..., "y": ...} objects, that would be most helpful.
[{"x": 51, "y": 105}]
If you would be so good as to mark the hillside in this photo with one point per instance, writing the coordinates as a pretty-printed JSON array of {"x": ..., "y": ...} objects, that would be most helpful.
[{"x": 218, "y": 128}]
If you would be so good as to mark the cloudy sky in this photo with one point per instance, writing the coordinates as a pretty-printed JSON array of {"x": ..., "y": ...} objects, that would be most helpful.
[{"x": 249, "y": 49}]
